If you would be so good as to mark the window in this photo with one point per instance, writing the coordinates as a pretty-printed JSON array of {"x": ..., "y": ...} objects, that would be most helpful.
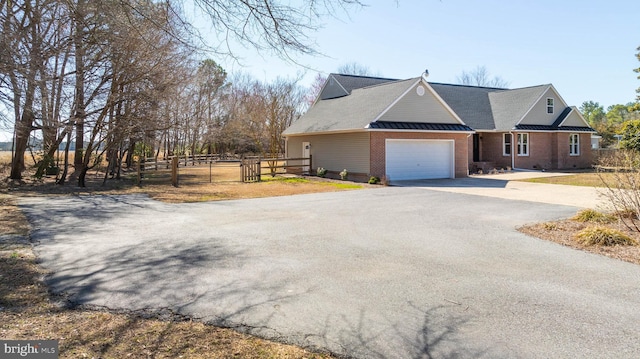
[
  {"x": 549, "y": 105},
  {"x": 574, "y": 144},
  {"x": 506, "y": 144},
  {"x": 523, "y": 144}
]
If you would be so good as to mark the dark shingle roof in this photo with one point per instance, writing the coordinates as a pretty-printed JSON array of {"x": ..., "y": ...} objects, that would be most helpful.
[
  {"x": 562, "y": 116},
  {"x": 510, "y": 106},
  {"x": 480, "y": 108},
  {"x": 470, "y": 103},
  {"x": 419, "y": 126},
  {"x": 349, "y": 112},
  {"x": 554, "y": 128},
  {"x": 352, "y": 82}
]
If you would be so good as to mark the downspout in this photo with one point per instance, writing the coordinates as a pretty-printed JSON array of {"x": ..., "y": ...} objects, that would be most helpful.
[
  {"x": 513, "y": 151},
  {"x": 454, "y": 166}
]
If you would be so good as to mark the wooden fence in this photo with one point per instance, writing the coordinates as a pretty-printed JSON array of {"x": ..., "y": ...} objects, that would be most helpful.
[{"x": 251, "y": 168}]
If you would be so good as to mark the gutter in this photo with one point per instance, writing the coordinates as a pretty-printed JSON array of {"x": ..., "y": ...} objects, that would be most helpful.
[{"x": 513, "y": 150}]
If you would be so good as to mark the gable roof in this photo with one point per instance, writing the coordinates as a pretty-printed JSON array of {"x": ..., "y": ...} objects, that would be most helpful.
[
  {"x": 348, "y": 83},
  {"x": 351, "y": 112},
  {"x": 361, "y": 100},
  {"x": 510, "y": 106},
  {"x": 471, "y": 103}
]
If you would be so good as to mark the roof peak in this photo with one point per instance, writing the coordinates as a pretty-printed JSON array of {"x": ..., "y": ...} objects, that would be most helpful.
[
  {"x": 470, "y": 86},
  {"x": 365, "y": 77}
]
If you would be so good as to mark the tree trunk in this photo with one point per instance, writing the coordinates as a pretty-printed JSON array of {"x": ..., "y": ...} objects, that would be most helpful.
[{"x": 79, "y": 100}]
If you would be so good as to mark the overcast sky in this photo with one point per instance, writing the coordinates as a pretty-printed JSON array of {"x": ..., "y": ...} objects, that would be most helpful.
[{"x": 586, "y": 49}]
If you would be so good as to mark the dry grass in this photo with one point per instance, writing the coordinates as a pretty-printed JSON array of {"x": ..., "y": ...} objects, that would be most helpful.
[
  {"x": 27, "y": 311},
  {"x": 586, "y": 179},
  {"x": 565, "y": 232}
]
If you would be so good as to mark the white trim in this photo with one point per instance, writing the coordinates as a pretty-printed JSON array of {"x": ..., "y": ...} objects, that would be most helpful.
[
  {"x": 554, "y": 131},
  {"x": 419, "y": 131},
  {"x": 432, "y": 91},
  {"x": 442, "y": 101},
  {"x": 413, "y": 84},
  {"x": 452, "y": 173},
  {"x": 324, "y": 132},
  {"x": 534, "y": 104},
  {"x": 553, "y": 105},
  {"x": 575, "y": 109},
  {"x": 346, "y": 93},
  {"x": 577, "y": 145},
  {"x": 504, "y": 144},
  {"x": 518, "y": 144},
  {"x": 367, "y": 129},
  {"x": 549, "y": 86}
]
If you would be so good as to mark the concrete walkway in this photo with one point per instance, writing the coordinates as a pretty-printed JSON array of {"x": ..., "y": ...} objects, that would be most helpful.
[{"x": 508, "y": 186}]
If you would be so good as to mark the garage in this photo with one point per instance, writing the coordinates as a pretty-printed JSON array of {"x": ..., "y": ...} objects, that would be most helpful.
[{"x": 419, "y": 159}]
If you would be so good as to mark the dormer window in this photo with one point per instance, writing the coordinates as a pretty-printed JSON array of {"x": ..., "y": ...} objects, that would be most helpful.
[{"x": 549, "y": 105}]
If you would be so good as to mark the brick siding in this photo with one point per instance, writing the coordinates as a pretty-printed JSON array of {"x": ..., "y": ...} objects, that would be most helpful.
[{"x": 378, "y": 149}]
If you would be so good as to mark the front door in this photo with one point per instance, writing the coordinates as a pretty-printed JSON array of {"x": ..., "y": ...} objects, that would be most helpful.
[{"x": 306, "y": 152}]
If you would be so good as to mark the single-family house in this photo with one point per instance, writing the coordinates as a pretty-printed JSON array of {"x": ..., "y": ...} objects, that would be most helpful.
[{"x": 415, "y": 129}]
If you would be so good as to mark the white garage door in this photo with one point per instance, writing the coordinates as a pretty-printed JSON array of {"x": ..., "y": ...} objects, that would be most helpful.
[{"x": 419, "y": 159}]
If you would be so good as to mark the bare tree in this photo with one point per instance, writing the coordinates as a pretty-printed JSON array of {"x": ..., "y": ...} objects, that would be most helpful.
[
  {"x": 314, "y": 90},
  {"x": 281, "y": 27},
  {"x": 480, "y": 76},
  {"x": 354, "y": 68}
]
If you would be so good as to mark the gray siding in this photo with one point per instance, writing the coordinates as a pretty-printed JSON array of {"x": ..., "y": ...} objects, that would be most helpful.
[
  {"x": 573, "y": 120},
  {"x": 414, "y": 108},
  {"x": 538, "y": 114},
  {"x": 335, "y": 152},
  {"x": 332, "y": 89}
]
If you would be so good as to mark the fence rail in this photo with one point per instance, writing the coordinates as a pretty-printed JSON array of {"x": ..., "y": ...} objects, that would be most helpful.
[{"x": 251, "y": 168}]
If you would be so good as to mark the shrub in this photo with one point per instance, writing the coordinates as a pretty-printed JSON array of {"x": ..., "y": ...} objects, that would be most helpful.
[
  {"x": 344, "y": 174},
  {"x": 603, "y": 236},
  {"x": 374, "y": 180},
  {"x": 321, "y": 172},
  {"x": 591, "y": 215},
  {"x": 620, "y": 175}
]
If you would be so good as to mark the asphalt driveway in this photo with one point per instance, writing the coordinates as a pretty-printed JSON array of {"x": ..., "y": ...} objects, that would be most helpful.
[{"x": 396, "y": 272}]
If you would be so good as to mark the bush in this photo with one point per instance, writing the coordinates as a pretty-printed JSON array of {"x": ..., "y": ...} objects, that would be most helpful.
[
  {"x": 603, "y": 236},
  {"x": 344, "y": 174},
  {"x": 591, "y": 215},
  {"x": 374, "y": 180},
  {"x": 620, "y": 175},
  {"x": 321, "y": 172}
]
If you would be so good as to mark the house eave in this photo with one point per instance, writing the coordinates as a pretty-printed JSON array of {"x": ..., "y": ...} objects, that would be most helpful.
[
  {"x": 421, "y": 131},
  {"x": 324, "y": 132}
]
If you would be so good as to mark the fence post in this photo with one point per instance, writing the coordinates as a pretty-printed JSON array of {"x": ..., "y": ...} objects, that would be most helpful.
[
  {"x": 174, "y": 171},
  {"x": 139, "y": 173},
  {"x": 259, "y": 169},
  {"x": 242, "y": 169}
]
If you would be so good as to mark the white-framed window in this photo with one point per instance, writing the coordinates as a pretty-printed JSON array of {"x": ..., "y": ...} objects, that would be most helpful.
[
  {"x": 574, "y": 144},
  {"x": 549, "y": 105},
  {"x": 506, "y": 144},
  {"x": 523, "y": 144}
]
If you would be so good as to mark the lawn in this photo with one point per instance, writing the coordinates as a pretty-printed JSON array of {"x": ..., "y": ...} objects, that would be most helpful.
[
  {"x": 28, "y": 312},
  {"x": 587, "y": 179}
]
